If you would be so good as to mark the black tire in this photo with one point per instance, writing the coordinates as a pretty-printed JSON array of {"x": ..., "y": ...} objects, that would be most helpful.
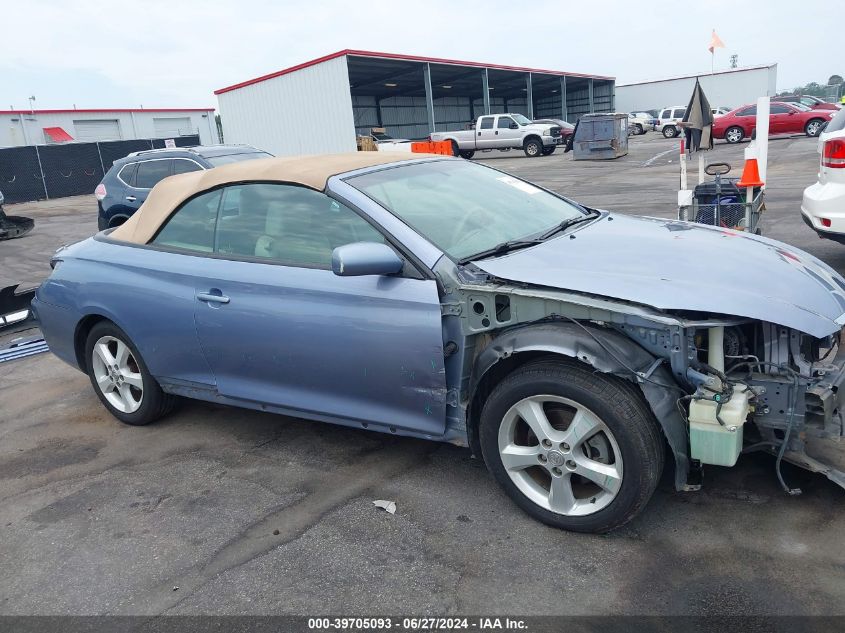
[
  {"x": 670, "y": 131},
  {"x": 455, "y": 150},
  {"x": 734, "y": 134},
  {"x": 468, "y": 154},
  {"x": 638, "y": 129},
  {"x": 154, "y": 402},
  {"x": 813, "y": 127},
  {"x": 617, "y": 403},
  {"x": 533, "y": 147},
  {"x": 548, "y": 151}
]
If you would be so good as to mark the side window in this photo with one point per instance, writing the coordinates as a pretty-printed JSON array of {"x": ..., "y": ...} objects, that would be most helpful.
[
  {"x": 486, "y": 123},
  {"x": 504, "y": 122},
  {"x": 127, "y": 174},
  {"x": 665, "y": 114},
  {"x": 184, "y": 166},
  {"x": 292, "y": 225},
  {"x": 192, "y": 226},
  {"x": 752, "y": 111},
  {"x": 779, "y": 109},
  {"x": 679, "y": 113},
  {"x": 150, "y": 172}
]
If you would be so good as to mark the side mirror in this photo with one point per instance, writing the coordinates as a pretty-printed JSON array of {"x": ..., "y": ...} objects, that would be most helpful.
[
  {"x": 514, "y": 126},
  {"x": 365, "y": 258}
]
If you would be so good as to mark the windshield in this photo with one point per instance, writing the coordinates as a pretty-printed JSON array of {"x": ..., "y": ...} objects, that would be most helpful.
[
  {"x": 837, "y": 123},
  {"x": 216, "y": 161},
  {"x": 800, "y": 106},
  {"x": 464, "y": 208},
  {"x": 521, "y": 119}
]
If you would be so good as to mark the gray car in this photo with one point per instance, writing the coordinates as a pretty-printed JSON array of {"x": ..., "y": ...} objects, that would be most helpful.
[{"x": 575, "y": 350}]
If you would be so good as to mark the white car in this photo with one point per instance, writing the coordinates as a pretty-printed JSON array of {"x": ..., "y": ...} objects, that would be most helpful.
[
  {"x": 640, "y": 123},
  {"x": 719, "y": 111},
  {"x": 823, "y": 206},
  {"x": 668, "y": 119}
]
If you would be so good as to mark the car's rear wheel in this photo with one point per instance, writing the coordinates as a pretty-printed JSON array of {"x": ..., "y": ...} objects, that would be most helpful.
[
  {"x": 813, "y": 127},
  {"x": 670, "y": 131},
  {"x": 533, "y": 147},
  {"x": 574, "y": 449},
  {"x": 468, "y": 154},
  {"x": 734, "y": 134},
  {"x": 121, "y": 379}
]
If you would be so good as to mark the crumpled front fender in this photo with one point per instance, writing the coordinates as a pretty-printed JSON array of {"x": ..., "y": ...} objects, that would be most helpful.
[{"x": 608, "y": 352}]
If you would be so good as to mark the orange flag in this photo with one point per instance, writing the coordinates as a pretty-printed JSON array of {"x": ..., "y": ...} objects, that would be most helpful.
[{"x": 715, "y": 42}]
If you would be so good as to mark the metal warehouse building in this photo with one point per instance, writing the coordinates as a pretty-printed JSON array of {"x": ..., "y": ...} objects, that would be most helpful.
[
  {"x": 729, "y": 88},
  {"x": 47, "y": 127},
  {"x": 319, "y": 106}
]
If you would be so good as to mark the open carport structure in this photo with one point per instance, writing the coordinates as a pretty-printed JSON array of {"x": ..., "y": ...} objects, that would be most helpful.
[{"x": 320, "y": 105}]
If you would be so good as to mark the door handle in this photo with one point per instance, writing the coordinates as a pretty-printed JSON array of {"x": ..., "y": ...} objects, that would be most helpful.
[
  {"x": 211, "y": 297},
  {"x": 497, "y": 132},
  {"x": 131, "y": 198},
  {"x": 479, "y": 133}
]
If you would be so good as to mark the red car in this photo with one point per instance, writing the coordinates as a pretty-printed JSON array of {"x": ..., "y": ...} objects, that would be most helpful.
[
  {"x": 783, "y": 119},
  {"x": 814, "y": 103}
]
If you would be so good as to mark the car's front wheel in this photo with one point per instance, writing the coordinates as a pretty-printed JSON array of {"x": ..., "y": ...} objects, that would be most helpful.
[
  {"x": 121, "y": 379},
  {"x": 467, "y": 154},
  {"x": 533, "y": 147},
  {"x": 548, "y": 151},
  {"x": 734, "y": 134},
  {"x": 574, "y": 449}
]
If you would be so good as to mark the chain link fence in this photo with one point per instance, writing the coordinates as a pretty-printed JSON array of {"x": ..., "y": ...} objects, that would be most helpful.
[{"x": 36, "y": 172}]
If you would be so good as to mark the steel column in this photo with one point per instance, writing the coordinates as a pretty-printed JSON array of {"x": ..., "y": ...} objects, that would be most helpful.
[
  {"x": 429, "y": 97},
  {"x": 485, "y": 84},
  {"x": 564, "y": 114},
  {"x": 529, "y": 96},
  {"x": 590, "y": 93}
]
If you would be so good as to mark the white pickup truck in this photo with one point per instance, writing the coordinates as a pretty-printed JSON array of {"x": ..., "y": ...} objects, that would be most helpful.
[{"x": 503, "y": 132}]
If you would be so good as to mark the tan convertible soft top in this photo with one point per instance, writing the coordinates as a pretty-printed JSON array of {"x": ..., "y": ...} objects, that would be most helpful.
[{"x": 311, "y": 171}]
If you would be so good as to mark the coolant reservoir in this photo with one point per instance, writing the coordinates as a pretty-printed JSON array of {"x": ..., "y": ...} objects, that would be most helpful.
[{"x": 712, "y": 443}]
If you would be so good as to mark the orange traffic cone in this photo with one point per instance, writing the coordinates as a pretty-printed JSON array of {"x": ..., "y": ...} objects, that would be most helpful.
[{"x": 750, "y": 175}]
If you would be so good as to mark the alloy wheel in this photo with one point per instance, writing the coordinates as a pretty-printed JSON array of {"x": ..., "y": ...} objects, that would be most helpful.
[
  {"x": 560, "y": 455},
  {"x": 117, "y": 374},
  {"x": 813, "y": 128},
  {"x": 734, "y": 135}
]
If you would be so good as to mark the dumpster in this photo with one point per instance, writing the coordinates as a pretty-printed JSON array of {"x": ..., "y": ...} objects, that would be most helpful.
[{"x": 600, "y": 136}]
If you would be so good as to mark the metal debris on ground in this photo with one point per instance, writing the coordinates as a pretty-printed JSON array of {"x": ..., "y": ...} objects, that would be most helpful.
[
  {"x": 387, "y": 506},
  {"x": 22, "y": 347}
]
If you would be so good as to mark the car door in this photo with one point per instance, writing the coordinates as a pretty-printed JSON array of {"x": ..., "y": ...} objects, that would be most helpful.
[
  {"x": 505, "y": 135},
  {"x": 781, "y": 118},
  {"x": 485, "y": 133},
  {"x": 279, "y": 328},
  {"x": 148, "y": 174}
]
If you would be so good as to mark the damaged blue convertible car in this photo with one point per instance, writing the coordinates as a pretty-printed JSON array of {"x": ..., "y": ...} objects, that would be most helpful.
[{"x": 575, "y": 350}]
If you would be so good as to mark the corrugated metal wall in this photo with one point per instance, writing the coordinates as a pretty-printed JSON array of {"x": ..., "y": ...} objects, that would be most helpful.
[
  {"x": 304, "y": 112},
  {"x": 730, "y": 89}
]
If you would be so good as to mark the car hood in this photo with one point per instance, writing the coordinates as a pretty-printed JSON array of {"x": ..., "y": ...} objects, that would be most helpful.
[{"x": 673, "y": 265}]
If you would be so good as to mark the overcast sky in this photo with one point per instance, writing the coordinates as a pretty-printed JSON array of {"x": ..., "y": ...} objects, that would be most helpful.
[{"x": 175, "y": 53}]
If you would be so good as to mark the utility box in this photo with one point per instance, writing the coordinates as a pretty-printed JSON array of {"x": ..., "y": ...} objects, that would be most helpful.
[{"x": 601, "y": 136}]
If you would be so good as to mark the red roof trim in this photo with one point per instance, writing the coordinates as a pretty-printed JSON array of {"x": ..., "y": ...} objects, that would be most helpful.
[
  {"x": 410, "y": 58},
  {"x": 103, "y": 110}
]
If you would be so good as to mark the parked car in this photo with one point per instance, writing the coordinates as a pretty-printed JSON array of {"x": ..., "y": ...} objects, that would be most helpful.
[
  {"x": 438, "y": 298},
  {"x": 504, "y": 132},
  {"x": 814, "y": 103},
  {"x": 566, "y": 128},
  {"x": 823, "y": 206},
  {"x": 784, "y": 118},
  {"x": 669, "y": 119},
  {"x": 129, "y": 180},
  {"x": 721, "y": 110},
  {"x": 640, "y": 123}
]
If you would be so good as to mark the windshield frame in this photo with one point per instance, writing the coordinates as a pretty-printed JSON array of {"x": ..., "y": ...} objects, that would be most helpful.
[
  {"x": 520, "y": 119},
  {"x": 586, "y": 213}
]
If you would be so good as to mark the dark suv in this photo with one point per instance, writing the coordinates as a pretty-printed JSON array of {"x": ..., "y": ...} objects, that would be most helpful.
[{"x": 126, "y": 185}]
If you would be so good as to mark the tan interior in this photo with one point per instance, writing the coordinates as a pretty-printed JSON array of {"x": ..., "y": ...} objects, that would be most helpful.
[{"x": 311, "y": 171}]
